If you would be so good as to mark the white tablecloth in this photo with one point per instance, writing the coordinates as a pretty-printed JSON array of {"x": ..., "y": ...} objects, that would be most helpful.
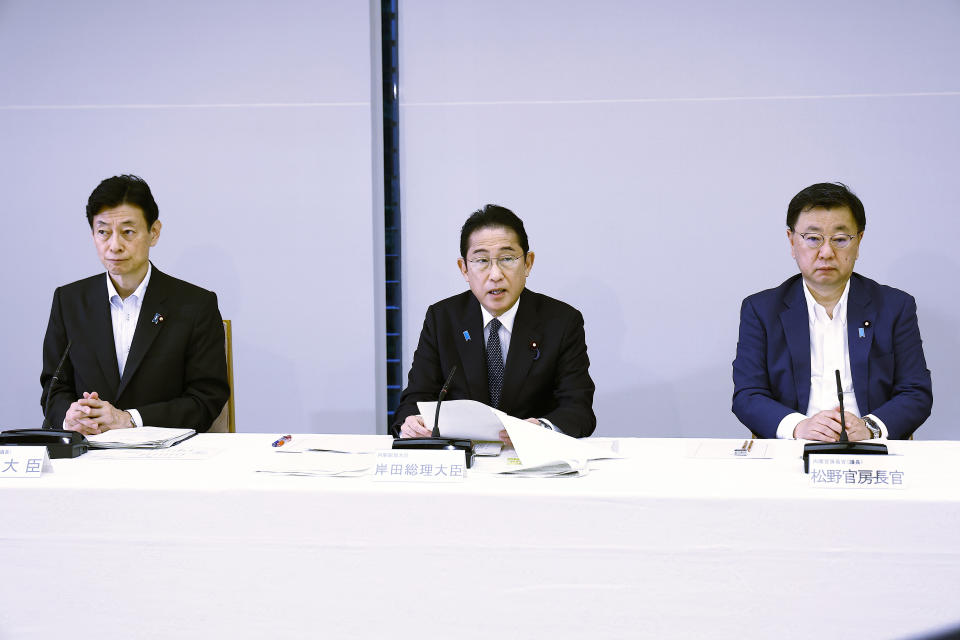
[{"x": 656, "y": 545}]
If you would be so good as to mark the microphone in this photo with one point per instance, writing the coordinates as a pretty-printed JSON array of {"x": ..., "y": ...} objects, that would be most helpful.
[
  {"x": 843, "y": 420},
  {"x": 843, "y": 446},
  {"x": 443, "y": 394},
  {"x": 55, "y": 378},
  {"x": 60, "y": 443},
  {"x": 435, "y": 441}
]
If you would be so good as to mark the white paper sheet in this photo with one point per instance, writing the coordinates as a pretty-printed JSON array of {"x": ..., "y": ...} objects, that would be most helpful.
[
  {"x": 336, "y": 443},
  {"x": 139, "y": 438},
  {"x": 316, "y": 463},
  {"x": 463, "y": 419}
]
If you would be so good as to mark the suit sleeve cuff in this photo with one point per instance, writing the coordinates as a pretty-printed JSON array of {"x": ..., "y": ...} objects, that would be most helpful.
[
  {"x": 549, "y": 425},
  {"x": 788, "y": 424},
  {"x": 135, "y": 417},
  {"x": 883, "y": 428}
]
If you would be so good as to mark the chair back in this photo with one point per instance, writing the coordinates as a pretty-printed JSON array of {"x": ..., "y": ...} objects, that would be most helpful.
[{"x": 225, "y": 422}]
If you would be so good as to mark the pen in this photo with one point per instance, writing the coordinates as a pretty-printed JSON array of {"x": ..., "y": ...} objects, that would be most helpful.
[{"x": 282, "y": 441}]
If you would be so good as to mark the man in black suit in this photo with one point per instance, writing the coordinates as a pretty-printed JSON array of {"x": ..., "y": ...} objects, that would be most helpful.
[
  {"x": 145, "y": 348},
  {"x": 519, "y": 351}
]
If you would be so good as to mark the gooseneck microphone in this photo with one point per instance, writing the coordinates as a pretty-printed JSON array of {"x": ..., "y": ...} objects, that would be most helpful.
[
  {"x": 843, "y": 420},
  {"x": 435, "y": 441},
  {"x": 55, "y": 378},
  {"x": 60, "y": 443},
  {"x": 843, "y": 446},
  {"x": 443, "y": 394}
]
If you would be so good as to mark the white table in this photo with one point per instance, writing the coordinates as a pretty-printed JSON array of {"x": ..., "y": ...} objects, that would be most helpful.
[{"x": 655, "y": 545}]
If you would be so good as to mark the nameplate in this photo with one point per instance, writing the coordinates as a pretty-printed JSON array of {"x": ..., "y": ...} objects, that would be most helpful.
[
  {"x": 828, "y": 471},
  {"x": 420, "y": 465},
  {"x": 23, "y": 462}
]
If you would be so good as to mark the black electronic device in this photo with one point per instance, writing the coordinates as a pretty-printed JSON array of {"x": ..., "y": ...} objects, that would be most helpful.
[
  {"x": 843, "y": 446},
  {"x": 59, "y": 443},
  {"x": 435, "y": 441}
]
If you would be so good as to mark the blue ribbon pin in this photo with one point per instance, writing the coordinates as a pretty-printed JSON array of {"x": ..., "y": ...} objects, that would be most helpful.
[{"x": 466, "y": 336}]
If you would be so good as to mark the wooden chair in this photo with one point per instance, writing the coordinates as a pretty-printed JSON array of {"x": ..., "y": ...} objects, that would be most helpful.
[{"x": 226, "y": 421}]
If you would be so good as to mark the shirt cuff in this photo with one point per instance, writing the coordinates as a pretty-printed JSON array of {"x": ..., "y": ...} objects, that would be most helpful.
[
  {"x": 549, "y": 425},
  {"x": 135, "y": 417},
  {"x": 883, "y": 428},
  {"x": 788, "y": 424}
]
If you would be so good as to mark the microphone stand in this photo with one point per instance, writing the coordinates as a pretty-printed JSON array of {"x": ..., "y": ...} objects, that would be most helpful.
[
  {"x": 435, "y": 441},
  {"x": 60, "y": 443},
  {"x": 56, "y": 377},
  {"x": 844, "y": 446}
]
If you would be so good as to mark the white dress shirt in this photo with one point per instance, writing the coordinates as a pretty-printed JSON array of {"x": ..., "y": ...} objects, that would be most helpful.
[
  {"x": 124, "y": 313},
  {"x": 829, "y": 352}
]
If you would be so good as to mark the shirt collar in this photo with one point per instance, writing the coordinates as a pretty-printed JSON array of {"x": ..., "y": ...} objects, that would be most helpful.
[
  {"x": 137, "y": 293},
  {"x": 816, "y": 311},
  {"x": 506, "y": 318}
]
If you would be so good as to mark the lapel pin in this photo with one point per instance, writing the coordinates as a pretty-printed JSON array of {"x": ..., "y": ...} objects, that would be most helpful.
[
  {"x": 866, "y": 323},
  {"x": 157, "y": 318},
  {"x": 536, "y": 349},
  {"x": 860, "y": 331},
  {"x": 466, "y": 336}
]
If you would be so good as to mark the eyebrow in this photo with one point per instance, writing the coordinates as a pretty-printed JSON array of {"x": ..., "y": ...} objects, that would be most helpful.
[
  {"x": 817, "y": 229},
  {"x": 128, "y": 222},
  {"x": 508, "y": 247}
]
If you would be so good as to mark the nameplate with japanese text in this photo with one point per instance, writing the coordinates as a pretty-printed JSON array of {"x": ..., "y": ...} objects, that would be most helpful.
[
  {"x": 828, "y": 471},
  {"x": 420, "y": 465},
  {"x": 23, "y": 462}
]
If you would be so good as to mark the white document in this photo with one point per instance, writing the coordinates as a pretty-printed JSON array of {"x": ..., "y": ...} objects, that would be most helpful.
[
  {"x": 539, "y": 447},
  {"x": 336, "y": 443},
  {"x": 727, "y": 449},
  {"x": 139, "y": 438},
  {"x": 541, "y": 451},
  {"x": 316, "y": 463},
  {"x": 467, "y": 419},
  {"x": 183, "y": 452}
]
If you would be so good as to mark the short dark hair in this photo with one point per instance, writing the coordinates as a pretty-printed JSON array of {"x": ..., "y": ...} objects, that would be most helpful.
[
  {"x": 125, "y": 189},
  {"x": 492, "y": 215},
  {"x": 829, "y": 195}
]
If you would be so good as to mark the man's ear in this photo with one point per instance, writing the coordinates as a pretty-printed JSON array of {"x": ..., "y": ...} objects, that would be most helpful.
[
  {"x": 155, "y": 232},
  {"x": 463, "y": 267}
]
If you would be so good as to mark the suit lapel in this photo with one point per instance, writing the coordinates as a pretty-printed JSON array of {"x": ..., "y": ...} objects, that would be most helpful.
[
  {"x": 796, "y": 329},
  {"x": 99, "y": 329},
  {"x": 519, "y": 358},
  {"x": 147, "y": 330},
  {"x": 472, "y": 352},
  {"x": 860, "y": 315}
]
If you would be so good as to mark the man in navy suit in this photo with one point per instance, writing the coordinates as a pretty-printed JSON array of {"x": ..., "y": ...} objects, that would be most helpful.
[
  {"x": 145, "y": 348},
  {"x": 519, "y": 351},
  {"x": 793, "y": 338}
]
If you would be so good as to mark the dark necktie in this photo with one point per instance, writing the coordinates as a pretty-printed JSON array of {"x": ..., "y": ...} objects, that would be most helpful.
[{"x": 494, "y": 363}]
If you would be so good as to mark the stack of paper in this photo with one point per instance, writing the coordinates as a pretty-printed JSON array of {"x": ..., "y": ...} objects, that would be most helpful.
[
  {"x": 336, "y": 443},
  {"x": 139, "y": 438},
  {"x": 541, "y": 452},
  {"x": 317, "y": 463}
]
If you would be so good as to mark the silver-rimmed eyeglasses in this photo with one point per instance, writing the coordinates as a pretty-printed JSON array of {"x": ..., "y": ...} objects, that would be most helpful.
[
  {"x": 506, "y": 263},
  {"x": 837, "y": 241}
]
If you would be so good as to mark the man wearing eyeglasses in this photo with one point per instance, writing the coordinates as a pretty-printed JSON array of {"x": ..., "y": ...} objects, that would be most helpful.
[
  {"x": 793, "y": 338},
  {"x": 519, "y": 351}
]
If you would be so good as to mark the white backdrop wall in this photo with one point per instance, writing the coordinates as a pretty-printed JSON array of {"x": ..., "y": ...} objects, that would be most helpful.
[
  {"x": 651, "y": 149},
  {"x": 252, "y": 123}
]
